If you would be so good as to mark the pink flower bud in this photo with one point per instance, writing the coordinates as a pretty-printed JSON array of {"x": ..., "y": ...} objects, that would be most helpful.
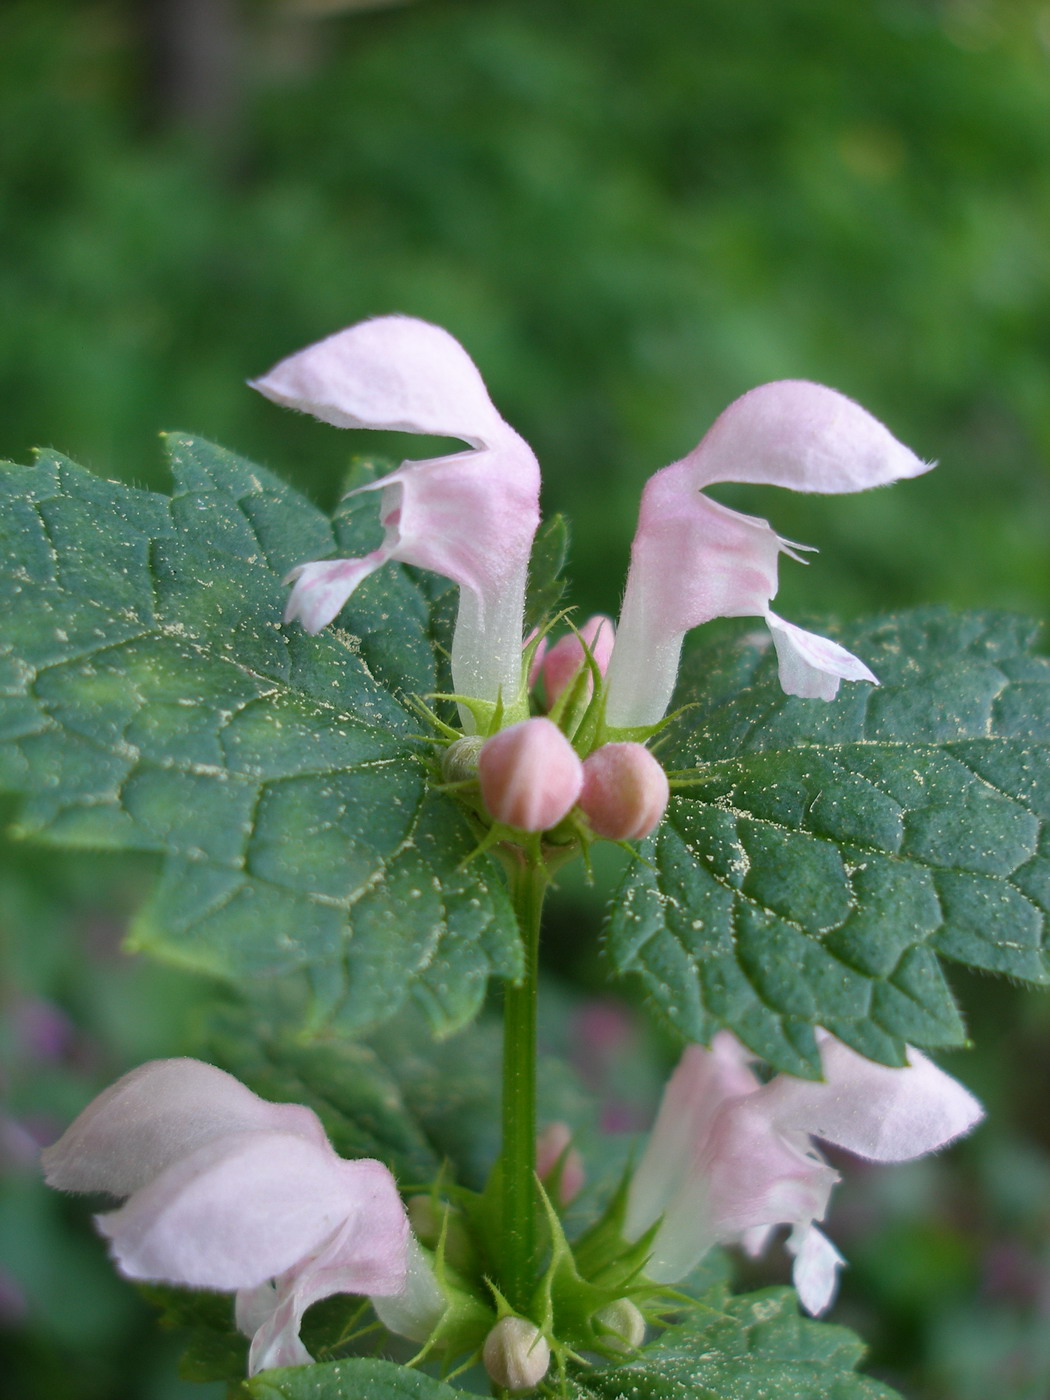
[
  {"x": 567, "y": 656},
  {"x": 530, "y": 775},
  {"x": 550, "y": 1145},
  {"x": 516, "y": 1354},
  {"x": 625, "y": 791}
]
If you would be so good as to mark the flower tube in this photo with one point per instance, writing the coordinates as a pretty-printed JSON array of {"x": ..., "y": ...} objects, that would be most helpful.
[
  {"x": 730, "y": 1158},
  {"x": 693, "y": 560},
  {"x": 226, "y": 1191},
  {"x": 469, "y": 516}
]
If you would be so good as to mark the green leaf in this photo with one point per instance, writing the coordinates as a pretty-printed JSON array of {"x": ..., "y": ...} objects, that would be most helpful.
[
  {"x": 150, "y": 699},
  {"x": 214, "y": 1349},
  {"x": 824, "y": 858},
  {"x": 547, "y": 585},
  {"x": 399, "y": 1098},
  {"x": 356, "y": 1379},
  {"x": 754, "y": 1347}
]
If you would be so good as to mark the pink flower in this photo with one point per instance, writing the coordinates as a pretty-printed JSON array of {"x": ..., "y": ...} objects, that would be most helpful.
[
  {"x": 470, "y": 516},
  {"x": 693, "y": 560},
  {"x": 226, "y": 1191},
  {"x": 730, "y": 1158}
]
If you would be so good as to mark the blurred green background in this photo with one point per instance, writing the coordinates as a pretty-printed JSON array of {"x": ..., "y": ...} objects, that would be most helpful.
[{"x": 629, "y": 213}]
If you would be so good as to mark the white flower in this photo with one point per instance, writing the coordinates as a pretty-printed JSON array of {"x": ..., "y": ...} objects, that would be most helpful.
[
  {"x": 226, "y": 1191},
  {"x": 470, "y": 516},
  {"x": 693, "y": 560},
  {"x": 730, "y": 1158}
]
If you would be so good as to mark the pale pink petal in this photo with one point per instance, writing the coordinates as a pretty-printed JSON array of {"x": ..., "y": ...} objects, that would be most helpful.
[
  {"x": 470, "y": 516},
  {"x": 755, "y": 1240},
  {"x": 275, "y": 1333},
  {"x": 702, "y": 1083},
  {"x": 241, "y": 1209},
  {"x": 881, "y": 1113},
  {"x": 417, "y": 1308},
  {"x": 812, "y": 666},
  {"x": 368, "y": 1255},
  {"x": 693, "y": 560},
  {"x": 804, "y": 436},
  {"x": 321, "y": 589},
  {"x": 744, "y": 1175},
  {"x": 392, "y": 372},
  {"x": 816, "y": 1271},
  {"x": 155, "y": 1116},
  {"x": 759, "y": 1176}
]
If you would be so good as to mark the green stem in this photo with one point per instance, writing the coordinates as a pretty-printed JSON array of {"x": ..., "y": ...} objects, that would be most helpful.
[{"x": 518, "y": 1160}]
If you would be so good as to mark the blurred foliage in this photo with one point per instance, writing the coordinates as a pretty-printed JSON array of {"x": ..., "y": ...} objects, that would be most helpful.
[{"x": 629, "y": 214}]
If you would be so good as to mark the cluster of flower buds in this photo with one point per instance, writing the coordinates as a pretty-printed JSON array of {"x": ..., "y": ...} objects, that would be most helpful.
[{"x": 531, "y": 778}]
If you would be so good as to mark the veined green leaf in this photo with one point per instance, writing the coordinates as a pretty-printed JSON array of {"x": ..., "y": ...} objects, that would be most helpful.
[
  {"x": 822, "y": 859},
  {"x": 150, "y": 699},
  {"x": 754, "y": 1347}
]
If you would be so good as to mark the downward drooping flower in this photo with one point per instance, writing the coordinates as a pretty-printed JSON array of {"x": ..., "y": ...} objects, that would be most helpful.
[
  {"x": 226, "y": 1191},
  {"x": 731, "y": 1158},
  {"x": 693, "y": 560},
  {"x": 469, "y": 516}
]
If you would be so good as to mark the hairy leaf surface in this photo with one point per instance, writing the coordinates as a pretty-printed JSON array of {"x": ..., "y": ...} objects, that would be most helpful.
[
  {"x": 821, "y": 860},
  {"x": 151, "y": 699},
  {"x": 754, "y": 1347}
]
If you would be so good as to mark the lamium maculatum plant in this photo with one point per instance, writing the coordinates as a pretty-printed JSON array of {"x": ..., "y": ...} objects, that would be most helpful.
[{"x": 363, "y": 748}]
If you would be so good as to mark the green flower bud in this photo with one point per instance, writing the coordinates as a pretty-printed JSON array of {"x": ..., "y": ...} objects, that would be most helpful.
[{"x": 516, "y": 1354}]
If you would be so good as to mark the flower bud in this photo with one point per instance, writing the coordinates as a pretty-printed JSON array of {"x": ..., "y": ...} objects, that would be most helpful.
[
  {"x": 567, "y": 655},
  {"x": 620, "y": 1325},
  {"x": 530, "y": 775},
  {"x": 551, "y": 1150},
  {"x": 625, "y": 791},
  {"x": 459, "y": 762},
  {"x": 516, "y": 1354}
]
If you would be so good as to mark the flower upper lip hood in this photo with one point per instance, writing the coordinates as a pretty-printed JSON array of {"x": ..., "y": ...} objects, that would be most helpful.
[
  {"x": 729, "y": 1158},
  {"x": 227, "y": 1191},
  {"x": 470, "y": 516},
  {"x": 693, "y": 560}
]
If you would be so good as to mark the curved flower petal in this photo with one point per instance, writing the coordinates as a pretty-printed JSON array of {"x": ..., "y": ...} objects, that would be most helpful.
[
  {"x": 729, "y": 1159},
  {"x": 321, "y": 589},
  {"x": 812, "y": 666},
  {"x": 417, "y": 1308},
  {"x": 703, "y": 1082},
  {"x": 745, "y": 1176},
  {"x": 157, "y": 1115},
  {"x": 816, "y": 1271},
  {"x": 873, "y": 1110},
  {"x": 246, "y": 1207},
  {"x": 693, "y": 560},
  {"x": 391, "y": 372},
  {"x": 358, "y": 1258},
  {"x": 469, "y": 516},
  {"x": 804, "y": 436}
]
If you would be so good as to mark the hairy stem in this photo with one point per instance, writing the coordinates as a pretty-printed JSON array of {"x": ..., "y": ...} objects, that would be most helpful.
[{"x": 518, "y": 1160}]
